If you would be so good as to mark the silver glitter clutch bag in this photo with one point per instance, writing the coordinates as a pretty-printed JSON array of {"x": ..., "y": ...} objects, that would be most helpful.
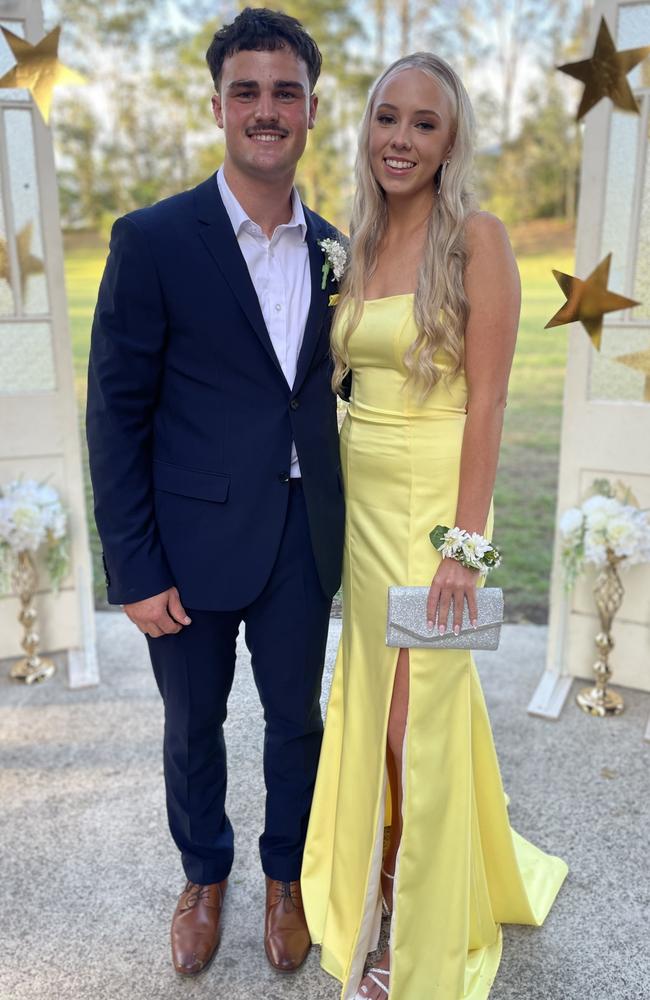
[{"x": 407, "y": 621}]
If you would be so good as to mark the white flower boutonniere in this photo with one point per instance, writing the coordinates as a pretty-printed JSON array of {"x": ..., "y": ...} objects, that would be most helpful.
[{"x": 336, "y": 258}]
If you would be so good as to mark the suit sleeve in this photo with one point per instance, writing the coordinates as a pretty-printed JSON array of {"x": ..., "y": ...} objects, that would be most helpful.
[{"x": 124, "y": 374}]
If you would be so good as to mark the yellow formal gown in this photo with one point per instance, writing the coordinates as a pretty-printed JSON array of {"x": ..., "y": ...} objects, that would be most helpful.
[{"x": 461, "y": 869}]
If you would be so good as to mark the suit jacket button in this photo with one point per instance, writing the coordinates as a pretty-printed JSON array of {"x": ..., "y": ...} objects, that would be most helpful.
[
  {"x": 283, "y": 477},
  {"x": 294, "y": 404}
]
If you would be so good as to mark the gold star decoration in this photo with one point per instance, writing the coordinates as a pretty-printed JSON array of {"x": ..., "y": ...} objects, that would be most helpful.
[
  {"x": 28, "y": 263},
  {"x": 605, "y": 73},
  {"x": 38, "y": 68},
  {"x": 587, "y": 301},
  {"x": 640, "y": 362}
]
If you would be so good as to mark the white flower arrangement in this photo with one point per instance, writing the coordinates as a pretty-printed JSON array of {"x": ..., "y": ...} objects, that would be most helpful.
[
  {"x": 471, "y": 550},
  {"x": 32, "y": 516},
  {"x": 336, "y": 259},
  {"x": 604, "y": 522}
]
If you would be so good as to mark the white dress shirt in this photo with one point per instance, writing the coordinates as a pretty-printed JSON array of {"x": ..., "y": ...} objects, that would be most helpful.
[{"x": 279, "y": 270}]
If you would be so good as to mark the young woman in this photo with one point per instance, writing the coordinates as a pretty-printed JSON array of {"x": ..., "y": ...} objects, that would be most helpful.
[{"x": 426, "y": 323}]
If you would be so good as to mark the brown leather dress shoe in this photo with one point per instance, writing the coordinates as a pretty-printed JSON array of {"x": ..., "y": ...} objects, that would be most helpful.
[
  {"x": 286, "y": 938},
  {"x": 196, "y": 926}
]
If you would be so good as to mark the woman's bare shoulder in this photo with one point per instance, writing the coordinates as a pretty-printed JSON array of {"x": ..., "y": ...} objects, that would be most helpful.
[
  {"x": 487, "y": 237},
  {"x": 483, "y": 229}
]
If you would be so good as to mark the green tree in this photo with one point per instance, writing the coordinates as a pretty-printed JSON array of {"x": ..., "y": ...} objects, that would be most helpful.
[
  {"x": 535, "y": 175},
  {"x": 77, "y": 128},
  {"x": 143, "y": 128}
]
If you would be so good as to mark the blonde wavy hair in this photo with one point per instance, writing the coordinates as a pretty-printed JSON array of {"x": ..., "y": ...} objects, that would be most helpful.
[{"x": 441, "y": 308}]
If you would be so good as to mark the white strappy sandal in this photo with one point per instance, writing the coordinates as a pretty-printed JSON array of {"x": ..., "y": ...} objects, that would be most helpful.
[
  {"x": 362, "y": 992},
  {"x": 385, "y": 909}
]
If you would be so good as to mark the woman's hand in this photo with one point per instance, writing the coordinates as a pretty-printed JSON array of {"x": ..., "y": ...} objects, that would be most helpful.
[{"x": 452, "y": 582}]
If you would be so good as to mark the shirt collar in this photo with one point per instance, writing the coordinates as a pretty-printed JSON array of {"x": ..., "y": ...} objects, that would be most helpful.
[{"x": 240, "y": 219}]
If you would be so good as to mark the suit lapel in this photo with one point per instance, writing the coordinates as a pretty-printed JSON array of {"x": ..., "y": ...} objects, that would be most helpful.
[
  {"x": 318, "y": 303},
  {"x": 217, "y": 233}
]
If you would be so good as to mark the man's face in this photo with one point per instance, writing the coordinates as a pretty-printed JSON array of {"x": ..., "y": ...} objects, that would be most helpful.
[{"x": 265, "y": 109}]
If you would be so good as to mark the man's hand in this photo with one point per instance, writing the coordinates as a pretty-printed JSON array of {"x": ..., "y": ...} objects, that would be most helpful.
[{"x": 162, "y": 614}]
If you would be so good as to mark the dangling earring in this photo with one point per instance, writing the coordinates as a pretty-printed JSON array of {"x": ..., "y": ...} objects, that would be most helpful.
[{"x": 440, "y": 175}]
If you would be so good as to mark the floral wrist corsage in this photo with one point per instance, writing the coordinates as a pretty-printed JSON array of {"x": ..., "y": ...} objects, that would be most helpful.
[{"x": 472, "y": 551}]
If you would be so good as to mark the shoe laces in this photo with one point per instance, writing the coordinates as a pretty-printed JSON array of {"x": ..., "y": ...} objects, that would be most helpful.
[
  {"x": 195, "y": 893},
  {"x": 285, "y": 890}
]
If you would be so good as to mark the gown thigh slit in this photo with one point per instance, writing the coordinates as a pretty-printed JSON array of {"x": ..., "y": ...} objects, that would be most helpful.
[{"x": 461, "y": 870}]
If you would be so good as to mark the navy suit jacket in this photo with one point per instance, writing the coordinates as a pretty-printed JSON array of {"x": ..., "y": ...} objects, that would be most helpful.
[{"x": 190, "y": 418}]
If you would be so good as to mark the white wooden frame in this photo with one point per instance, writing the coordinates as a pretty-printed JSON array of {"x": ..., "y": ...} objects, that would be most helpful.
[
  {"x": 40, "y": 432},
  {"x": 591, "y": 431}
]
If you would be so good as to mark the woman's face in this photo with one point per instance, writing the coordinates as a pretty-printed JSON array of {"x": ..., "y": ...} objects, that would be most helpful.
[{"x": 410, "y": 133}]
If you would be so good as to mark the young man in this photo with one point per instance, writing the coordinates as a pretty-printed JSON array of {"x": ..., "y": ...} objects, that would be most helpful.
[{"x": 214, "y": 459}]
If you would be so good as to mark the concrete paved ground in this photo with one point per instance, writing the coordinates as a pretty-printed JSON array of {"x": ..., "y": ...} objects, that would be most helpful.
[{"x": 90, "y": 875}]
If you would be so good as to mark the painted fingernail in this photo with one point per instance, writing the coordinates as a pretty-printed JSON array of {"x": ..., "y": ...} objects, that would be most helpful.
[
  {"x": 474, "y": 623},
  {"x": 456, "y": 629},
  {"x": 442, "y": 629}
]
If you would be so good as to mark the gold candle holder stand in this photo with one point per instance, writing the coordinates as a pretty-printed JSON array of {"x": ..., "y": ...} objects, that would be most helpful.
[
  {"x": 32, "y": 668},
  {"x": 608, "y": 593}
]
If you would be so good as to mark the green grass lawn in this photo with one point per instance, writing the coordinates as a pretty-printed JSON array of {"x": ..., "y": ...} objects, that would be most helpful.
[
  {"x": 527, "y": 479},
  {"x": 528, "y": 469},
  {"x": 83, "y": 271}
]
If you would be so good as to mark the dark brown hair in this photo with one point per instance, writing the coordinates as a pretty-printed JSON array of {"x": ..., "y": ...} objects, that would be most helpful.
[{"x": 259, "y": 29}]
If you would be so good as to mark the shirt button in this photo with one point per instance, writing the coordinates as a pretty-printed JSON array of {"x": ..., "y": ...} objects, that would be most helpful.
[
  {"x": 283, "y": 477},
  {"x": 294, "y": 404},
  {"x": 278, "y": 307}
]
